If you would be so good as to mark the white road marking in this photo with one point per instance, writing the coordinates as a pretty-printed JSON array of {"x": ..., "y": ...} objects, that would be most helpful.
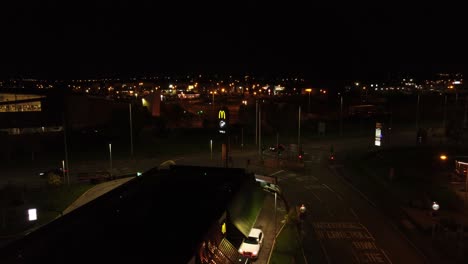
[
  {"x": 276, "y": 173},
  {"x": 320, "y": 200},
  {"x": 353, "y": 213},
  {"x": 337, "y": 194}
]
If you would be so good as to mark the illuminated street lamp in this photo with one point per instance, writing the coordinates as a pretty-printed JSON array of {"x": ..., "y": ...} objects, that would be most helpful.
[
  {"x": 443, "y": 157},
  {"x": 435, "y": 208},
  {"x": 302, "y": 209},
  {"x": 213, "y": 93},
  {"x": 309, "y": 90}
]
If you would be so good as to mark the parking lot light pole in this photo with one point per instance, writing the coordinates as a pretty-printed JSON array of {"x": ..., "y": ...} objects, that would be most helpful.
[
  {"x": 277, "y": 149},
  {"x": 466, "y": 187},
  {"x": 131, "y": 130},
  {"x": 211, "y": 149},
  {"x": 275, "y": 214},
  {"x": 110, "y": 157},
  {"x": 64, "y": 173},
  {"x": 65, "y": 141},
  {"x": 299, "y": 131}
]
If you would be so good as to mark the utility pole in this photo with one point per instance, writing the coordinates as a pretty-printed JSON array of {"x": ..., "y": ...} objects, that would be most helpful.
[
  {"x": 341, "y": 115},
  {"x": 256, "y": 122},
  {"x": 65, "y": 173},
  {"x": 299, "y": 131}
]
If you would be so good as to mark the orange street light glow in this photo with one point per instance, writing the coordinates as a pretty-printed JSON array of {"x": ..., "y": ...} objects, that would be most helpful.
[{"x": 443, "y": 157}]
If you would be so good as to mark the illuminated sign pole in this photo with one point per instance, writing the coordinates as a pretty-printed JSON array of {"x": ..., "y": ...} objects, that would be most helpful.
[
  {"x": 378, "y": 134},
  {"x": 211, "y": 149},
  {"x": 223, "y": 128}
]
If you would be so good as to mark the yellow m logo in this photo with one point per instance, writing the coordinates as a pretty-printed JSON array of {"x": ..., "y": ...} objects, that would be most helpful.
[{"x": 221, "y": 114}]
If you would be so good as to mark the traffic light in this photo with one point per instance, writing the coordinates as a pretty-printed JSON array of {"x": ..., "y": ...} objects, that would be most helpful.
[{"x": 301, "y": 156}]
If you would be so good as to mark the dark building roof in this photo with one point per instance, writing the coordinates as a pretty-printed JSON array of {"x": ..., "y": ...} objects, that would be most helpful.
[{"x": 160, "y": 217}]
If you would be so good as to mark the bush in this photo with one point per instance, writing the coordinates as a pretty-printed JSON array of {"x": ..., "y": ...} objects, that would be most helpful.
[{"x": 54, "y": 179}]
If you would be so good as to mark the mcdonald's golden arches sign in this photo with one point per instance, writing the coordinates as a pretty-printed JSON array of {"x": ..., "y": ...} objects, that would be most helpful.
[{"x": 223, "y": 121}]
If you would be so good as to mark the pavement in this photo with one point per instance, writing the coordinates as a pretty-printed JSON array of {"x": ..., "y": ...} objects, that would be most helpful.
[{"x": 249, "y": 159}]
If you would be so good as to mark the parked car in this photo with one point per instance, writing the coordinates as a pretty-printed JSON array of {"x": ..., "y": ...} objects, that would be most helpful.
[
  {"x": 252, "y": 244},
  {"x": 57, "y": 171},
  {"x": 277, "y": 148},
  {"x": 94, "y": 177}
]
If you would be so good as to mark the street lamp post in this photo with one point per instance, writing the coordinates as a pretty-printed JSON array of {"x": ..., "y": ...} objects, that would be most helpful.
[
  {"x": 435, "y": 208},
  {"x": 211, "y": 149},
  {"x": 213, "y": 94},
  {"x": 308, "y": 108},
  {"x": 277, "y": 149},
  {"x": 445, "y": 112},
  {"x": 260, "y": 132},
  {"x": 110, "y": 158},
  {"x": 299, "y": 131},
  {"x": 65, "y": 163},
  {"x": 466, "y": 186},
  {"x": 465, "y": 115},
  {"x": 131, "y": 130},
  {"x": 256, "y": 122},
  {"x": 275, "y": 215},
  {"x": 242, "y": 138},
  {"x": 63, "y": 172},
  {"x": 417, "y": 114},
  {"x": 341, "y": 115}
]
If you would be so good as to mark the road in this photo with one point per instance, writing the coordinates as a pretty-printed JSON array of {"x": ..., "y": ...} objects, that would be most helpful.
[{"x": 344, "y": 224}]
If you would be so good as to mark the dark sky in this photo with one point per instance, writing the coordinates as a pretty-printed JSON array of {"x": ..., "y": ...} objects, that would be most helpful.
[{"x": 62, "y": 40}]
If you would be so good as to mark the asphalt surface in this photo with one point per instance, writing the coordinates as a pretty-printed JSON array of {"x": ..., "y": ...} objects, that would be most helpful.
[{"x": 343, "y": 225}]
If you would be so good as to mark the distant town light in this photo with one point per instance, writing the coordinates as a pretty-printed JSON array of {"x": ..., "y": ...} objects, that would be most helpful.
[{"x": 443, "y": 157}]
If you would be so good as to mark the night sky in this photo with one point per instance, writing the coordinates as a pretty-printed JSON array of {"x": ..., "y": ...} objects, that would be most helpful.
[{"x": 323, "y": 43}]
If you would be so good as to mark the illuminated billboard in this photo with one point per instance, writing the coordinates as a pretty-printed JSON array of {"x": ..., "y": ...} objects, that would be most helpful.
[
  {"x": 378, "y": 134},
  {"x": 223, "y": 121}
]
